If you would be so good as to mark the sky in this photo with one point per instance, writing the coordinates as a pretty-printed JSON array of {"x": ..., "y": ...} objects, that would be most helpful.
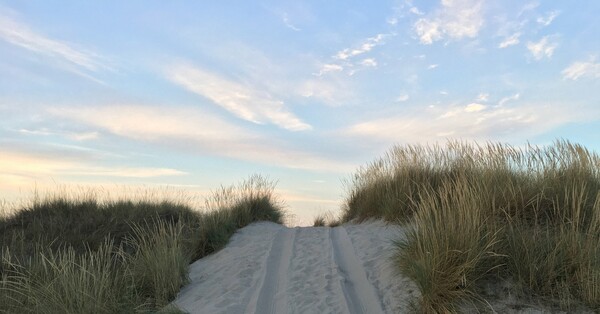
[{"x": 193, "y": 95}]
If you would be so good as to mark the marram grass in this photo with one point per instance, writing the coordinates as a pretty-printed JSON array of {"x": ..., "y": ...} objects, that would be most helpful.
[
  {"x": 493, "y": 212},
  {"x": 70, "y": 255}
]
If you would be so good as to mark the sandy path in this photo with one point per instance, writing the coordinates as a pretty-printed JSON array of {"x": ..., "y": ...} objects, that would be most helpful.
[
  {"x": 359, "y": 293},
  {"x": 269, "y": 268}
]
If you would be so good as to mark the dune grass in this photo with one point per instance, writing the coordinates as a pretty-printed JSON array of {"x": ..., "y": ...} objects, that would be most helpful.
[
  {"x": 65, "y": 255},
  {"x": 493, "y": 212},
  {"x": 326, "y": 219}
]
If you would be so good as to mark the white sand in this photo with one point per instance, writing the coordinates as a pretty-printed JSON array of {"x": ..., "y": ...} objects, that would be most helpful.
[{"x": 269, "y": 268}]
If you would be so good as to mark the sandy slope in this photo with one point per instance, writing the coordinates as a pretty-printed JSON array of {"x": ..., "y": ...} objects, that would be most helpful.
[{"x": 269, "y": 268}]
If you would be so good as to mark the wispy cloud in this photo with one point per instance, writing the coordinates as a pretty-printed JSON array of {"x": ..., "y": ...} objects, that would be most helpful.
[
  {"x": 192, "y": 129},
  {"x": 22, "y": 170},
  {"x": 369, "y": 62},
  {"x": 504, "y": 100},
  {"x": 240, "y": 99},
  {"x": 330, "y": 67},
  {"x": 345, "y": 58},
  {"x": 484, "y": 97},
  {"x": 510, "y": 40},
  {"x": 152, "y": 123},
  {"x": 542, "y": 48},
  {"x": 331, "y": 90},
  {"x": 582, "y": 69},
  {"x": 471, "y": 121},
  {"x": 455, "y": 19},
  {"x": 392, "y": 20},
  {"x": 474, "y": 107},
  {"x": 529, "y": 7},
  {"x": 548, "y": 18},
  {"x": 286, "y": 20},
  {"x": 403, "y": 98},
  {"x": 127, "y": 172},
  {"x": 416, "y": 11},
  {"x": 76, "y": 59},
  {"x": 432, "y": 66},
  {"x": 25, "y": 168},
  {"x": 77, "y": 136},
  {"x": 364, "y": 47}
]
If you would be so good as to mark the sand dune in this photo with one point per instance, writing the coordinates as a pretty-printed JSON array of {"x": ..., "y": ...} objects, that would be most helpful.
[{"x": 269, "y": 268}]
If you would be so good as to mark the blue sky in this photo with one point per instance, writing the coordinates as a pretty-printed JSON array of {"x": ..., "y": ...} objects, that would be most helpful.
[{"x": 193, "y": 94}]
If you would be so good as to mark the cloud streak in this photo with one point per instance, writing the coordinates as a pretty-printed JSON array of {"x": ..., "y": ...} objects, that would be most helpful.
[
  {"x": 288, "y": 23},
  {"x": 364, "y": 47},
  {"x": 239, "y": 99},
  {"x": 581, "y": 69},
  {"x": 547, "y": 20},
  {"x": 345, "y": 57},
  {"x": 191, "y": 129},
  {"x": 23, "y": 169},
  {"x": 455, "y": 19},
  {"x": 510, "y": 40},
  {"x": 472, "y": 121},
  {"x": 21, "y": 35}
]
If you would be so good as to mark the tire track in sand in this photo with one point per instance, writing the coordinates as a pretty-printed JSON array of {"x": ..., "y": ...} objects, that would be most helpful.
[
  {"x": 360, "y": 294},
  {"x": 270, "y": 295}
]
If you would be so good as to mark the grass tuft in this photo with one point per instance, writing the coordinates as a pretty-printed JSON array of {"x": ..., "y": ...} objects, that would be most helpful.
[
  {"x": 480, "y": 213},
  {"x": 64, "y": 255},
  {"x": 326, "y": 219}
]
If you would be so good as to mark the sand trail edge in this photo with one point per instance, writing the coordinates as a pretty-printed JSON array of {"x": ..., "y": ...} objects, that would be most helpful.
[{"x": 360, "y": 294}]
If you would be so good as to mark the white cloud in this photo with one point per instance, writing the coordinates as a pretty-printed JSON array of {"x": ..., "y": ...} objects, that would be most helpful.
[
  {"x": 542, "y": 48},
  {"x": 330, "y": 90},
  {"x": 151, "y": 123},
  {"x": 432, "y": 66},
  {"x": 474, "y": 121},
  {"x": 369, "y": 62},
  {"x": 509, "y": 98},
  {"x": 126, "y": 172},
  {"x": 77, "y": 136},
  {"x": 331, "y": 67},
  {"x": 83, "y": 136},
  {"x": 22, "y": 170},
  {"x": 30, "y": 167},
  {"x": 191, "y": 129},
  {"x": 288, "y": 23},
  {"x": 548, "y": 18},
  {"x": 510, "y": 40},
  {"x": 392, "y": 21},
  {"x": 483, "y": 97},
  {"x": 529, "y": 7},
  {"x": 416, "y": 11},
  {"x": 402, "y": 98},
  {"x": 428, "y": 31},
  {"x": 582, "y": 69},
  {"x": 455, "y": 19},
  {"x": 364, "y": 47},
  {"x": 239, "y": 99},
  {"x": 19, "y": 34},
  {"x": 474, "y": 107},
  {"x": 345, "y": 59}
]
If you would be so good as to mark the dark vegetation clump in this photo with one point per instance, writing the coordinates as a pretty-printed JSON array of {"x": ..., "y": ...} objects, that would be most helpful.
[{"x": 64, "y": 255}]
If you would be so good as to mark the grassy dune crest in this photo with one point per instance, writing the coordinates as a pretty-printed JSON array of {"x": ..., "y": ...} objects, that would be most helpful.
[
  {"x": 484, "y": 213},
  {"x": 65, "y": 255}
]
